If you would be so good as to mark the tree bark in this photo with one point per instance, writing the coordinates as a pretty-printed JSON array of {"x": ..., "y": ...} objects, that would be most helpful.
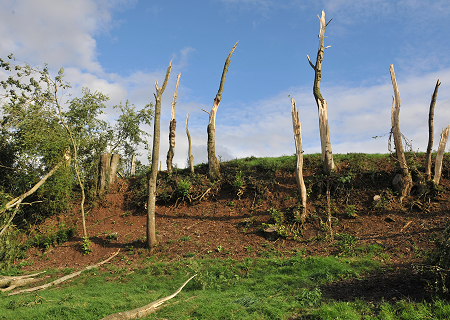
[
  {"x": 133, "y": 165},
  {"x": 213, "y": 162},
  {"x": 405, "y": 184},
  {"x": 172, "y": 127},
  {"x": 297, "y": 126},
  {"x": 113, "y": 168},
  {"x": 431, "y": 132},
  {"x": 151, "y": 225},
  {"x": 104, "y": 171},
  {"x": 327, "y": 154},
  {"x": 191, "y": 157},
  {"x": 440, "y": 155}
]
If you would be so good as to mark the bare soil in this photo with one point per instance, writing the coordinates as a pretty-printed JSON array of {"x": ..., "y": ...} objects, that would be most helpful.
[{"x": 226, "y": 226}]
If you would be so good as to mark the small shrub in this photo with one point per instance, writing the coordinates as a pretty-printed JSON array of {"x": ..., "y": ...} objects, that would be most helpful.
[
  {"x": 183, "y": 187},
  {"x": 85, "y": 245},
  {"x": 346, "y": 244},
  {"x": 276, "y": 215},
  {"x": 350, "y": 211}
]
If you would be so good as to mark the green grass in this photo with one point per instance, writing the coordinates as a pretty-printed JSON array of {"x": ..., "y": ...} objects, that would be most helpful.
[{"x": 263, "y": 288}]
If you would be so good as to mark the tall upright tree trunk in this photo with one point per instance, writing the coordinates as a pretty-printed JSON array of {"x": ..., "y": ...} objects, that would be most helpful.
[
  {"x": 113, "y": 168},
  {"x": 405, "y": 183},
  {"x": 151, "y": 224},
  {"x": 327, "y": 154},
  {"x": 297, "y": 126},
  {"x": 213, "y": 162},
  {"x": 172, "y": 127},
  {"x": 431, "y": 132},
  {"x": 440, "y": 155},
  {"x": 191, "y": 157}
]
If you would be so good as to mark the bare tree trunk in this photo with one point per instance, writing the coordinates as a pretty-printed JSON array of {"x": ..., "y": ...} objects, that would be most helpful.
[
  {"x": 297, "y": 126},
  {"x": 172, "y": 127},
  {"x": 327, "y": 154},
  {"x": 213, "y": 162},
  {"x": 440, "y": 155},
  {"x": 151, "y": 225},
  {"x": 191, "y": 157},
  {"x": 405, "y": 183},
  {"x": 104, "y": 171},
  {"x": 431, "y": 132},
  {"x": 113, "y": 168},
  {"x": 133, "y": 165}
]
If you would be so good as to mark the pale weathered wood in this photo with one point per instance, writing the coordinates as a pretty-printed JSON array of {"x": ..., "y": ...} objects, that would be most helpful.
[
  {"x": 190, "y": 156},
  {"x": 431, "y": 132},
  {"x": 8, "y": 283},
  {"x": 172, "y": 128},
  {"x": 113, "y": 168},
  {"x": 440, "y": 155},
  {"x": 297, "y": 126},
  {"x": 104, "y": 171},
  {"x": 327, "y": 154},
  {"x": 62, "y": 279},
  {"x": 406, "y": 182},
  {"x": 213, "y": 162},
  {"x": 145, "y": 310},
  {"x": 151, "y": 223}
]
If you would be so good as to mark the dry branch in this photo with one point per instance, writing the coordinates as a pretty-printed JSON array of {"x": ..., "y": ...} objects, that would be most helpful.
[
  {"x": 69, "y": 276},
  {"x": 431, "y": 131},
  {"x": 172, "y": 127},
  {"x": 191, "y": 157},
  {"x": 297, "y": 126},
  {"x": 9, "y": 283},
  {"x": 405, "y": 183},
  {"x": 440, "y": 155},
  {"x": 145, "y": 310}
]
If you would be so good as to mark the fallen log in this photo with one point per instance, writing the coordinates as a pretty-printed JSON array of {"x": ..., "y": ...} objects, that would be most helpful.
[
  {"x": 145, "y": 310},
  {"x": 60, "y": 280}
]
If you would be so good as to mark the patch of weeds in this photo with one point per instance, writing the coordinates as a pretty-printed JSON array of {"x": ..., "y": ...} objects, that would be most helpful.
[
  {"x": 85, "y": 245},
  {"x": 350, "y": 211},
  {"x": 189, "y": 255},
  {"x": 249, "y": 248},
  {"x": 346, "y": 244},
  {"x": 112, "y": 236},
  {"x": 219, "y": 248},
  {"x": 126, "y": 214},
  {"x": 186, "y": 238},
  {"x": 183, "y": 187}
]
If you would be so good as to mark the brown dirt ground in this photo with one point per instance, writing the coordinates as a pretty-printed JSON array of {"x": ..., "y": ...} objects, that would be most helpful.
[{"x": 229, "y": 223}]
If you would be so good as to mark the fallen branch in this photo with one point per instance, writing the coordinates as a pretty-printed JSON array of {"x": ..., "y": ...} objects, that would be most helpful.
[
  {"x": 145, "y": 310},
  {"x": 9, "y": 283},
  {"x": 60, "y": 280}
]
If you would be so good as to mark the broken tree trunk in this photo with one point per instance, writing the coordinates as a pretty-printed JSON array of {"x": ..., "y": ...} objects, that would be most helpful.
[
  {"x": 62, "y": 279},
  {"x": 104, "y": 171},
  {"x": 403, "y": 183},
  {"x": 213, "y": 162},
  {"x": 151, "y": 224},
  {"x": 172, "y": 127},
  {"x": 297, "y": 126},
  {"x": 191, "y": 157},
  {"x": 327, "y": 154},
  {"x": 440, "y": 155},
  {"x": 113, "y": 168},
  {"x": 431, "y": 132},
  {"x": 145, "y": 310}
]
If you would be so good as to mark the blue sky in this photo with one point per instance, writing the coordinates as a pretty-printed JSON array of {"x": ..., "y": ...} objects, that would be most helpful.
[{"x": 120, "y": 47}]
